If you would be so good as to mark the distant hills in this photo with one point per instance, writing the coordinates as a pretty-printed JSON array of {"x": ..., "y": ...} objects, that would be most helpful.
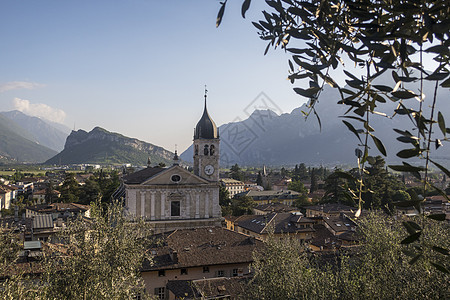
[
  {"x": 100, "y": 146},
  {"x": 46, "y": 133},
  {"x": 18, "y": 145},
  {"x": 265, "y": 138}
]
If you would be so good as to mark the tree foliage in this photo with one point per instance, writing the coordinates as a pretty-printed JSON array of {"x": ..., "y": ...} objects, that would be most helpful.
[
  {"x": 236, "y": 172},
  {"x": 95, "y": 259},
  {"x": 380, "y": 269},
  {"x": 242, "y": 205},
  {"x": 99, "y": 259},
  {"x": 381, "y": 38}
]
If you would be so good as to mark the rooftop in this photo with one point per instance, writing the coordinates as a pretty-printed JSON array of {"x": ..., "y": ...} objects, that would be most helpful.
[
  {"x": 278, "y": 222},
  {"x": 201, "y": 247},
  {"x": 142, "y": 175}
]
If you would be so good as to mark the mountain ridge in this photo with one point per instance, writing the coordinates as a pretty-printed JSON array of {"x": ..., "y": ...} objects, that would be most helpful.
[
  {"x": 39, "y": 130},
  {"x": 16, "y": 146},
  {"x": 265, "y": 138},
  {"x": 101, "y": 146}
]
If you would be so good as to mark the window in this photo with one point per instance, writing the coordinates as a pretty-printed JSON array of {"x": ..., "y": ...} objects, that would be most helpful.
[
  {"x": 161, "y": 273},
  {"x": 211, "y": 150},
  {"x": 206, "y": 150},
  {"x": 205, "y": 269},
  {"x": 175, "y": 178},
  {"x": 220, "y": 273},
  {"x": 160, "y": 292},
  {"x": 183, "y": 271},
  {"x": 235, "y": 272},
  {"x": 175, "y": 208}
]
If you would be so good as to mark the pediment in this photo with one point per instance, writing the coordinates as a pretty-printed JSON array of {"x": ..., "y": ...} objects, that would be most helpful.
[{"x": 175, "y": 175}]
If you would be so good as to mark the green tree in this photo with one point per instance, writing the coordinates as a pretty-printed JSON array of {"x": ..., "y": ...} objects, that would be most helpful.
[
  {"x": 69, "y": 189},
  {"x": 50, "y": 196},
  {"x": 225, "y": 201},
  {"x": 259, "y": 179},
  {"x": 297, "y": 185},
  {"x": 236, "y": 173},
  {"x": 90, "y": 191},
  {"x": 313, "y": 181},
  {"x": 337, "y": 189},
  {"x": 380, "y": 37},
  {"x": 284, "y": 269},
  {"x": 243, "y": 205},
  {"x": 101, "y": 259},
  {"x": 380, "y": 186}
]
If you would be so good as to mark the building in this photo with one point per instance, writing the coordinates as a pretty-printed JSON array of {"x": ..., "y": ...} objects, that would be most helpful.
[
  {"x": 39, "y": 196},
  {"x": 173, "y": 198},
  {"x": 274, "y": 207},
  {"x": 58, "y": 210},
  {"x": 233, "y": 186},
  {"x": 329, "y": 210},
  {"x": 193, "y": 254},
  {"x": 281, "y": 225},
  {"x": 281, "y": 184},
  {"x": 24, "y": 187},
  {"x": 228, "y": 288},
  {"x": 7, "y": 194},
  {"x": 287, "y": 197}
]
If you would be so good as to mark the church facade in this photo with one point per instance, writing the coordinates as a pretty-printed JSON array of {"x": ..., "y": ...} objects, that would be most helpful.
[{"x": 174, "y": 198}]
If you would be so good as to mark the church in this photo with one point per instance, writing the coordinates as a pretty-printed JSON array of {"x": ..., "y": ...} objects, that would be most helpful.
[{"x": 174, "y": 198}]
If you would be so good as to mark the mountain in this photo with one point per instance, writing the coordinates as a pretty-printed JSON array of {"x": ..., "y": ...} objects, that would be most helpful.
[
  {"x": 46, "y": 133},
  {"x": 100, "y": 146},
  {"x": 266, "y": 138},
  {"x": 17, "y": 145}
]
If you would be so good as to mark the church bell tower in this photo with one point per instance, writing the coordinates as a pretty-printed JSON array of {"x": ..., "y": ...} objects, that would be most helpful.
[{"x": 206, "y": 147}]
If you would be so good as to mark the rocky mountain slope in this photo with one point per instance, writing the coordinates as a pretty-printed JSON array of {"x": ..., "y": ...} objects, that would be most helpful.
[
  {"x": 45, "y": 133},
  {"x": 100, "y": 146},
  {"x": 266, "y": 138},
  {"x": 19, "y": 146}
]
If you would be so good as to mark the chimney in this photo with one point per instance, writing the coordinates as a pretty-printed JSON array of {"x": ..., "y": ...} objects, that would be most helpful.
[{"x": 174, "y": 256}]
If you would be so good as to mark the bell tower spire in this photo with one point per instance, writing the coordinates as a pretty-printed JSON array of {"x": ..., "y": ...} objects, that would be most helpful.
[{"x": 206, "y": 146}]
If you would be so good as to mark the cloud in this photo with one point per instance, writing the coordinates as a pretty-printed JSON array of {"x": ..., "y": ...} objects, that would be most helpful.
[
  {"x": 18, "y": 85},
  {"x": 39, "y": 110}
]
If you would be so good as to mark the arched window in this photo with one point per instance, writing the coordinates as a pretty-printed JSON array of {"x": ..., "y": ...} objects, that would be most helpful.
[
  {"x": 212, "y": 150},
  {"x": 206, "y": 150},
  {"x": 196, "y": 150}
]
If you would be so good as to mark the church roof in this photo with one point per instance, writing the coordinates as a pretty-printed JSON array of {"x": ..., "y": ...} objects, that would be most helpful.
[
  {"x": 206, "y": 128},
  {"x": 142, "y": 175}
]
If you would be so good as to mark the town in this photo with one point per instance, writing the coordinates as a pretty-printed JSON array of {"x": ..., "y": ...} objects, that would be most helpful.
[
  {"x": 202, "y": 224},
  {"x": 270, "y": 150}
]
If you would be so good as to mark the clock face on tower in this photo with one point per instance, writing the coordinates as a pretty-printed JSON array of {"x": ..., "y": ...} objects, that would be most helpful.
[{"x": 209, "y": 170}]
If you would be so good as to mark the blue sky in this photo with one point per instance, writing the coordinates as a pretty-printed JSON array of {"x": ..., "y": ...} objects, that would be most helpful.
[{"x": 137, "y": 67}]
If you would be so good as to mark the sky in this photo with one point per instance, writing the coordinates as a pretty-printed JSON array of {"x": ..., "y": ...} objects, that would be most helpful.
[{"x": 138, "y": 67}]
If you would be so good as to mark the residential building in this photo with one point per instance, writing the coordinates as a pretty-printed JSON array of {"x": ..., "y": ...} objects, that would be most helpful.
[
  {"x": 229, "y": 288},
  {"x": 281, "y": 225},
  {"x": 59, "y": 210},
  {"x": 24, "y": 187},
  {"x": 274, "y": 207},
  {"x": 282, "y": 184},
  {"x": 39, "y": 196},
  {"x": 287, "y": 197},
  {"x": 7, "y": 194},
  {"x": 200, "y": 253},
  {"x": 329, "y": 210},
  {"x": 233, "y": 186}
]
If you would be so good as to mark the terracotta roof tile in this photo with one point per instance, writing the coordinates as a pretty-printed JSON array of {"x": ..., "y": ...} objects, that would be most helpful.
[{"x": 202, "y": 247}]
